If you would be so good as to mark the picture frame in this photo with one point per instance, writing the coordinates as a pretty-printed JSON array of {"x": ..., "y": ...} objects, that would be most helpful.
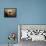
[
  {"x": 10, "y": 12},
  {"x": 36, "y": 32}
]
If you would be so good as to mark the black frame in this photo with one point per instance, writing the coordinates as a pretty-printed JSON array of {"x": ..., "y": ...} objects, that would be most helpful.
[{"x": 5, "y": 15}]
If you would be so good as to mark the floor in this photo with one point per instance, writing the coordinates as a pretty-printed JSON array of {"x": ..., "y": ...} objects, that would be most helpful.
[
  {"x": 30, "y": 43},
  {"x": 7, "y": 45}
]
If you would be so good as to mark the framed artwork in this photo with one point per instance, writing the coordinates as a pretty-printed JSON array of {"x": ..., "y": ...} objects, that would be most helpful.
[
  {"x": 32, "y": 32},
  {"x": 10, "y": 12}
]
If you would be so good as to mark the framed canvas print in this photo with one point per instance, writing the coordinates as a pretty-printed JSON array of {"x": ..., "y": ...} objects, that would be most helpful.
[
  {"x": 10, "y": 12},
  {"x": 32, "y": 32}
]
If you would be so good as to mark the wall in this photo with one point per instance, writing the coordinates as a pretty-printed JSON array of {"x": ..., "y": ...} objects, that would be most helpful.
[{"x": 28, "y": 12}]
